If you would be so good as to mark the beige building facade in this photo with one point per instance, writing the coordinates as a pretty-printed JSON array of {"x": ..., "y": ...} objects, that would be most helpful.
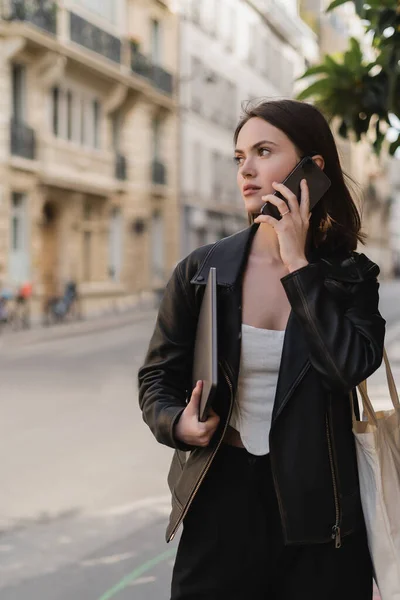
[{"x": 88, "y": 149}]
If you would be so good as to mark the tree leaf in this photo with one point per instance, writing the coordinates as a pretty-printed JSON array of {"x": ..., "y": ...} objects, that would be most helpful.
[
  {"x": 316, "y": 88},
  {"x": 353, "y": 57},
  {"x": 318, "y": 69},
  {"x": 335, "y": 4}
]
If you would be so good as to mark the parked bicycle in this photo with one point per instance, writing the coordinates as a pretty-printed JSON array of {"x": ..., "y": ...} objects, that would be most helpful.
[
  {"x": 61, "y": 308},
  {"x": 15, "y": 307}
]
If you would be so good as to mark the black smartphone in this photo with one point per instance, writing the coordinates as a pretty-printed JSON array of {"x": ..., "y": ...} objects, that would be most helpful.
[{"x": 318, "y": 185}]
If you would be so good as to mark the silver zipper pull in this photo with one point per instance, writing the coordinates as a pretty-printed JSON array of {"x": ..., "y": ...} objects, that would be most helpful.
[{"x": 336, "y": 536}]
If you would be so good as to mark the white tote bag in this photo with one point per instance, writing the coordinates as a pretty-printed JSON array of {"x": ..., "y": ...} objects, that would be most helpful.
[{"x": 378, "y": 458}]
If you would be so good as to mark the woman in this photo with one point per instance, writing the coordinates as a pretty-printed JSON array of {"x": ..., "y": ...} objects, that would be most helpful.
[{"x": 267, "y": 487}]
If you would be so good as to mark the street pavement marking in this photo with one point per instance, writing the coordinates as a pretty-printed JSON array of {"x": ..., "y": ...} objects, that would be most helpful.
[{"x": 138, "y": 572}]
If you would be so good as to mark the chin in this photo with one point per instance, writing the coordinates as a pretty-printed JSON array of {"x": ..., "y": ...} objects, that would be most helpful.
[{"x": 253, "y": 206}]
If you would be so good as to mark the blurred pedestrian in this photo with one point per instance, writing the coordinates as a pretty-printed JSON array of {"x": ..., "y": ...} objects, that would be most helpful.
[{"x": 267, "y": 488}]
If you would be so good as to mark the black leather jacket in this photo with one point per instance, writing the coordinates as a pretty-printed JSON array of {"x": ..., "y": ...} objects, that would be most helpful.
[{"x": 333, "y": 341}]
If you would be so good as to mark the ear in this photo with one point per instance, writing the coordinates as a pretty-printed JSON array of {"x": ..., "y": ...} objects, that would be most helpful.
[{"x": 317, "y": 158}]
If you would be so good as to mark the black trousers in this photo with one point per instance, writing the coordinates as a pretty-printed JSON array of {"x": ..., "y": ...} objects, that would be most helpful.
[{"x": 232, "y": 547}]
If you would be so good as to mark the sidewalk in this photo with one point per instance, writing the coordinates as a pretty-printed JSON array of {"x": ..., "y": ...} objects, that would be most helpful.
[{"x": 69, "y": 329}]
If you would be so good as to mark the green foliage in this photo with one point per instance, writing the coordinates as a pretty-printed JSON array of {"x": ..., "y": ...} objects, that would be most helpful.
[{"x": 355, "y": 91}]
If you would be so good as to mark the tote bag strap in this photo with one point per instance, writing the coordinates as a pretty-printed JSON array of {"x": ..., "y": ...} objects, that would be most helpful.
[
  {"x": 367, "y": 404},
  {"x": 391, "y": 382}
]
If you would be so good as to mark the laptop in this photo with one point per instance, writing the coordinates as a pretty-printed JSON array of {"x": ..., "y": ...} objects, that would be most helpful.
[{"x": 205, "y": 362}]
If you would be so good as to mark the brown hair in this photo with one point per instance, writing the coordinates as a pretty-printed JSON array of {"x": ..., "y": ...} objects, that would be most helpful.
[{"x": 335, "y": 224}]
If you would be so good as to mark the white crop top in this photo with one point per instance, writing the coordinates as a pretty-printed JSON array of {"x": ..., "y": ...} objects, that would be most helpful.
[{"x": 258, "y": 377}]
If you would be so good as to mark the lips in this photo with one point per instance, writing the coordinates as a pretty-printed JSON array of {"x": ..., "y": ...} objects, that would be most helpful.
[
  {"x": 248, "y": 190},
  {"x": 248, "y": 187}
]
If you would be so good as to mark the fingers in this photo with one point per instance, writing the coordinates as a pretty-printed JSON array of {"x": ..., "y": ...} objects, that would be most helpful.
[
  {"x": 305, "y": 201},
  {"x": 208, "y": 429},
  {"x": 212, "y": 421},
  {"x": 291, "y": 198},
  {"x": 194, "y": 403},
  {"x": 302, "y": 209},
  {"x": 266, "y": 219},
  {"x": 280, "y": 204}
]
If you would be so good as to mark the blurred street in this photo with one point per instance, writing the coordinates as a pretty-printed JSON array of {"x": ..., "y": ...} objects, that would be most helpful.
[{"x": 84, "y": 500}]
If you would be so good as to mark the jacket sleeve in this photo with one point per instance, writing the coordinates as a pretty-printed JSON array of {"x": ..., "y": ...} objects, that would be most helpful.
[
  {"x": 165, "y": 377},
  {"x": 344, "y": 330}
]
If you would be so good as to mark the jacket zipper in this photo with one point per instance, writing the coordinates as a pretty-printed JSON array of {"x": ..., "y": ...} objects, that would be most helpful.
[
  {"x": 206, "y": 468},
  {"x": 336, "y": 528}
]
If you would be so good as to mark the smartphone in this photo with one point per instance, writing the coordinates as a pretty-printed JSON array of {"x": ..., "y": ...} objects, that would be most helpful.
[{"x": 318, "y": 185}]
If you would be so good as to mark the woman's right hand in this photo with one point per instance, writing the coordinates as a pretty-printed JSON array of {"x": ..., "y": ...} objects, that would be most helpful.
[{"x": 189, "y": 429}]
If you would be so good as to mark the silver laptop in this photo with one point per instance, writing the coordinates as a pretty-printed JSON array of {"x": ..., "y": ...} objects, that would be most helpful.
[{"x": 205, "y": 363}]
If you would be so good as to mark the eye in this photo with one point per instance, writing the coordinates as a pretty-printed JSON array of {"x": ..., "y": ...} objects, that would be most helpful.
[
  {"x": 238, "y": 160},
  {"x": 264, "y": 151}
]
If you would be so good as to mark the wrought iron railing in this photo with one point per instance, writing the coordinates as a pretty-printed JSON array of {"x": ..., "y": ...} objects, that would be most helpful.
[
  {"x": 159, "y": 174},
  {"x": 23, "y": 140},
  {"x": 120, "y": 167},
  {"x": 163, "y": 80},
  {"x": 142, "y": 65},
  {"x": 42, "y": 13},
  {"x": 92, "y": 37}
]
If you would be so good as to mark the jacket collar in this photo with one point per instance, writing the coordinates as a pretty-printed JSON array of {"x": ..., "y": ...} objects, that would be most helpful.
[
  {"x": 224, "y": 256},
  {"x": 230, "y": 255}
]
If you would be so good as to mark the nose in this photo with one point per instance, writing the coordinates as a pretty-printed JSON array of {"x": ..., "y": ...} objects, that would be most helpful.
[{"x": 247, "y": 168}]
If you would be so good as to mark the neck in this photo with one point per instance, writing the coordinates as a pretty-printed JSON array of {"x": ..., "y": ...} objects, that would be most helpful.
[{"x": 266, "y": 245}]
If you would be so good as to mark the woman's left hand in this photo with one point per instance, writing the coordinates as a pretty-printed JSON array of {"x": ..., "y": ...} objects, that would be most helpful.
[{"x": 292, "y": 229}]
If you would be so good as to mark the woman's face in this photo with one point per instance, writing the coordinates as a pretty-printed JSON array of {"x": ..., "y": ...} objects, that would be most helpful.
[{"x": 264, "y": 154}]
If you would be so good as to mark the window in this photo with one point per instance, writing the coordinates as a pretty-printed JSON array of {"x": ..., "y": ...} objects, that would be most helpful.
[
  {"x": 87, "y": 210},
  {"x": 83, "y": 136},
  {"x": 87, "y": 258},
  {"x": 96, "y": 123},
  {"x": 230, "y": 42},
  {"x": 252, "y": 51},
  {"x": 116, "y": 130},
  {"x": 210, "y": 12},
  {"x": 155, "y": 42},
  {"x": 19, "y": 255},
  {"x": 266, "y": 57},
  {"x": 274, "y": 73},
  {"x": 230, "y": 105},
  {"x": 219, "y": 15},
  {"x": 197, "y": 76},
  {"x": 115, "y": 244},
  {"x": 156, "y": 129},
  {"x": 197, "y": 167},
  {"x": 17, "y": 238},
  {"x": 55, "y": 109},
  {"x": 157, "y": 240},
  {"x": 69, "y": 115},
  {"x": 217, "y": 177},
  {"x": 18, "y": 91},
  {"x": 76, "y": 116},
  {"x": 107, "y": 9},
  {"x": 196, "y": 11}
]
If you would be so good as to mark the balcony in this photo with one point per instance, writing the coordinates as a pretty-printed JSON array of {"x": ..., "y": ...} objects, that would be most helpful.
[
  {"x": 120, "y": 167},
  {"x": 158, "y": 175},
  {"x": 85, "y": 34},
  {"x": 23, "y": 142},
  {"x": 142, "y": 65},
  {"x": 163, "y": 80},
  {"x": 41, "y": 13}
]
